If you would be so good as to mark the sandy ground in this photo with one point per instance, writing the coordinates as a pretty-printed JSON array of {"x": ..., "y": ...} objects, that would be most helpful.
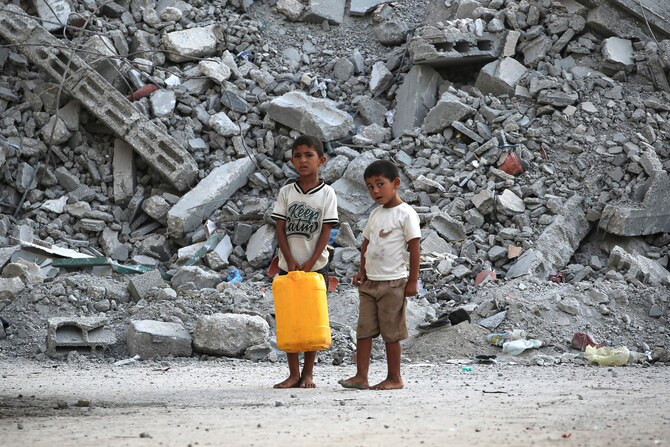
[{"x": 232, "y": 403}]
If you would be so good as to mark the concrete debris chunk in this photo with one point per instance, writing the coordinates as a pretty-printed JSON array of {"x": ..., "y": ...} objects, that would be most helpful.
[
  {"x": 195, "y": 278},
  {"x": 416, "y": 96},
  {"x": 150, "y": 338},
  {"x": 312, "y": 116},
  {"x": 262, "y": 246},
  {"x": 500, "y": 77},
  {"x": 318, "y": 11},
  {"x": 191, "y": 43},
  {"x": 229, "y": 335},
  {"x": 10, "y": 288},
  {"x": 617, "y": 54},
  {"x": 292, "y": 9},
  {"x": 140, "y": 285},
  {"x": 447, "y": 110},
  {"x": 362, "y": 7},
  {"x": 640, "y": 267},
  {"x": 54, "y": 13},
  {"x": 208, "y": 195}
]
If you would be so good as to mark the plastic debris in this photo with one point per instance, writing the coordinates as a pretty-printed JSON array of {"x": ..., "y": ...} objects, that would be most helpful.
[{"x": 607, "y": 355}]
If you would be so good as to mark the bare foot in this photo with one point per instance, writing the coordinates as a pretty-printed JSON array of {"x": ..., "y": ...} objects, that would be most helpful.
[
  {"x": 291, "y": 382},
  {"x": 355, "y": 383},
  {"x": 306, "y": 382},
  {"x": 389, "y": 384}
]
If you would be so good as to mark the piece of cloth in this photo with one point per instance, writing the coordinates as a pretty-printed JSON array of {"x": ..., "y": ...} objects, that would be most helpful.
[
  {"x": 381, "y": 310},
  {"x": 305, "y": 212},
  {"x": 388, "y": 230}
]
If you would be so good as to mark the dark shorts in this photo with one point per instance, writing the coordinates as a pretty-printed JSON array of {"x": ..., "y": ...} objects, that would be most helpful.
[{"x": 381, "y": 310}]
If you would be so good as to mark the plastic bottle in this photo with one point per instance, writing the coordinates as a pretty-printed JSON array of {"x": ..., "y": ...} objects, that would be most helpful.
[
  {"x": 516, "y": 334},
  {"x": 497, "y": 339}
]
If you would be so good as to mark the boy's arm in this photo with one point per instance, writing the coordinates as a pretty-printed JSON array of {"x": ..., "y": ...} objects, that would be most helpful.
[
  {"x": 361, "y": 276},
  {"x": 320, "y": 246},
  {"x": 291, "y": 264},
  {"x": 414, "y": 247}
]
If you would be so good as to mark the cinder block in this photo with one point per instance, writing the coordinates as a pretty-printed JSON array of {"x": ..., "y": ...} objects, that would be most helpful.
[{"x": 86, "y": 335}]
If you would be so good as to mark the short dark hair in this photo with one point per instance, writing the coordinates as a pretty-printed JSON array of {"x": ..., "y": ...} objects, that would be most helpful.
[
  {"x": 384, "y": 168},
  {"x": 310, "y": 141}
]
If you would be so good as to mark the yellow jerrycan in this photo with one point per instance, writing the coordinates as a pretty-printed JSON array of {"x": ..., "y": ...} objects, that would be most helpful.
[{"x": 301, "y": 312}]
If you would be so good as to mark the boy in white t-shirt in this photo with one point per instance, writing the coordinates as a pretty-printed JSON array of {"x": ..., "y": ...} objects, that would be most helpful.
[
  {"x": 389, "y": 273},
  {"x": 304, "y": 213}
]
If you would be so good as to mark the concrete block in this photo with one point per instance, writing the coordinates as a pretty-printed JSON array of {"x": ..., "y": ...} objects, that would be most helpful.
[
  {"x": 644, "y": 269},
  {"x": 447, "y": 227},
  {"x": 500, "y": 77},
  {"x": 210, "y": 194},
  {"x": 86, "y": 335},
  {"x": 415, "y": 97},
  {"x": 381, "y": 78},
  {"x": 149, "y": 338},
  {"x": 313, "y": 116},
  {"x": 140, "y": 285},
  {"x": 197, "y": 276}
]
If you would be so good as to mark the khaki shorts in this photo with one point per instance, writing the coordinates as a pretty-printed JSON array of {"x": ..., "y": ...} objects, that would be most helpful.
[{"x": 382, "y": 310}]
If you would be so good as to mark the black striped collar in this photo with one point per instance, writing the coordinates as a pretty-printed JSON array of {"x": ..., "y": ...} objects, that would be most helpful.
[{"x": 314, "y": 190}]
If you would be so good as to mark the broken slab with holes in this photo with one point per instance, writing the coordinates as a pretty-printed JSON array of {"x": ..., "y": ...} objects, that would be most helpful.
[{"x": 85, "y": 335}]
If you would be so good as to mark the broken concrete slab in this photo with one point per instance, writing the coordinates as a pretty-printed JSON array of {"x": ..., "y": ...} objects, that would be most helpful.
[
  {"x": 500, "y": 77},
  {"x": 208, "y": 195},
  {"x": 229, "y": 334},
  {"x": 312, "y": 116},
  {"x": 416, "y": 96},
  {"x": 150, "y": 338},
  {"x": 85, "y": 335},
  {"x": 292, "y": 9},
  {"x": 557, "y": 243}
]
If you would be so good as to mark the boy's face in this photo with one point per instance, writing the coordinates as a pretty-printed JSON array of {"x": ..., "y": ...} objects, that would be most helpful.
[
  {"x": 306, "y": 160},
  {"x": 382, "y": 190}
]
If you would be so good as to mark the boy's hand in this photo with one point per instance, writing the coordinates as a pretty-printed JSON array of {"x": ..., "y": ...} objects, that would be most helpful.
[
  {"x": 307, "y": 266},
  {"x": 411, "y": 288},
  {"x": 359, "y": 278},
  {"x": 292, "y": 265}
]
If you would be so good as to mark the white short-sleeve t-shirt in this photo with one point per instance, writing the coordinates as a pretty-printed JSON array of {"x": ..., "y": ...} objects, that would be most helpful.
[
  {"x": 388, "y": 230},
  {"x": 305, "y": 212}
]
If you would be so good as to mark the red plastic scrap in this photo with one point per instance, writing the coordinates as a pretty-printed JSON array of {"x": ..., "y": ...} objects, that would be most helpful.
[
  {"x": 566, "y": 435},
  {"x": 583, "y": 339},
  {"x": 143, "y": 91},
  {"x": 558, "y": 277}
]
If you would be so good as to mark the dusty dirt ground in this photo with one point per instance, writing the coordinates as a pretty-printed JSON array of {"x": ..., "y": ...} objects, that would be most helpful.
[{"x": 225, "y": 402}]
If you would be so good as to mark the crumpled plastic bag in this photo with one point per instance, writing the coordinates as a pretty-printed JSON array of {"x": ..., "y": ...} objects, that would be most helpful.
[{"x": 607, "y": 355}]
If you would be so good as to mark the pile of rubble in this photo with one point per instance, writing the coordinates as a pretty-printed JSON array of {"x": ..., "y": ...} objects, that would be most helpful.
[{"x": 143, "y": 143}]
